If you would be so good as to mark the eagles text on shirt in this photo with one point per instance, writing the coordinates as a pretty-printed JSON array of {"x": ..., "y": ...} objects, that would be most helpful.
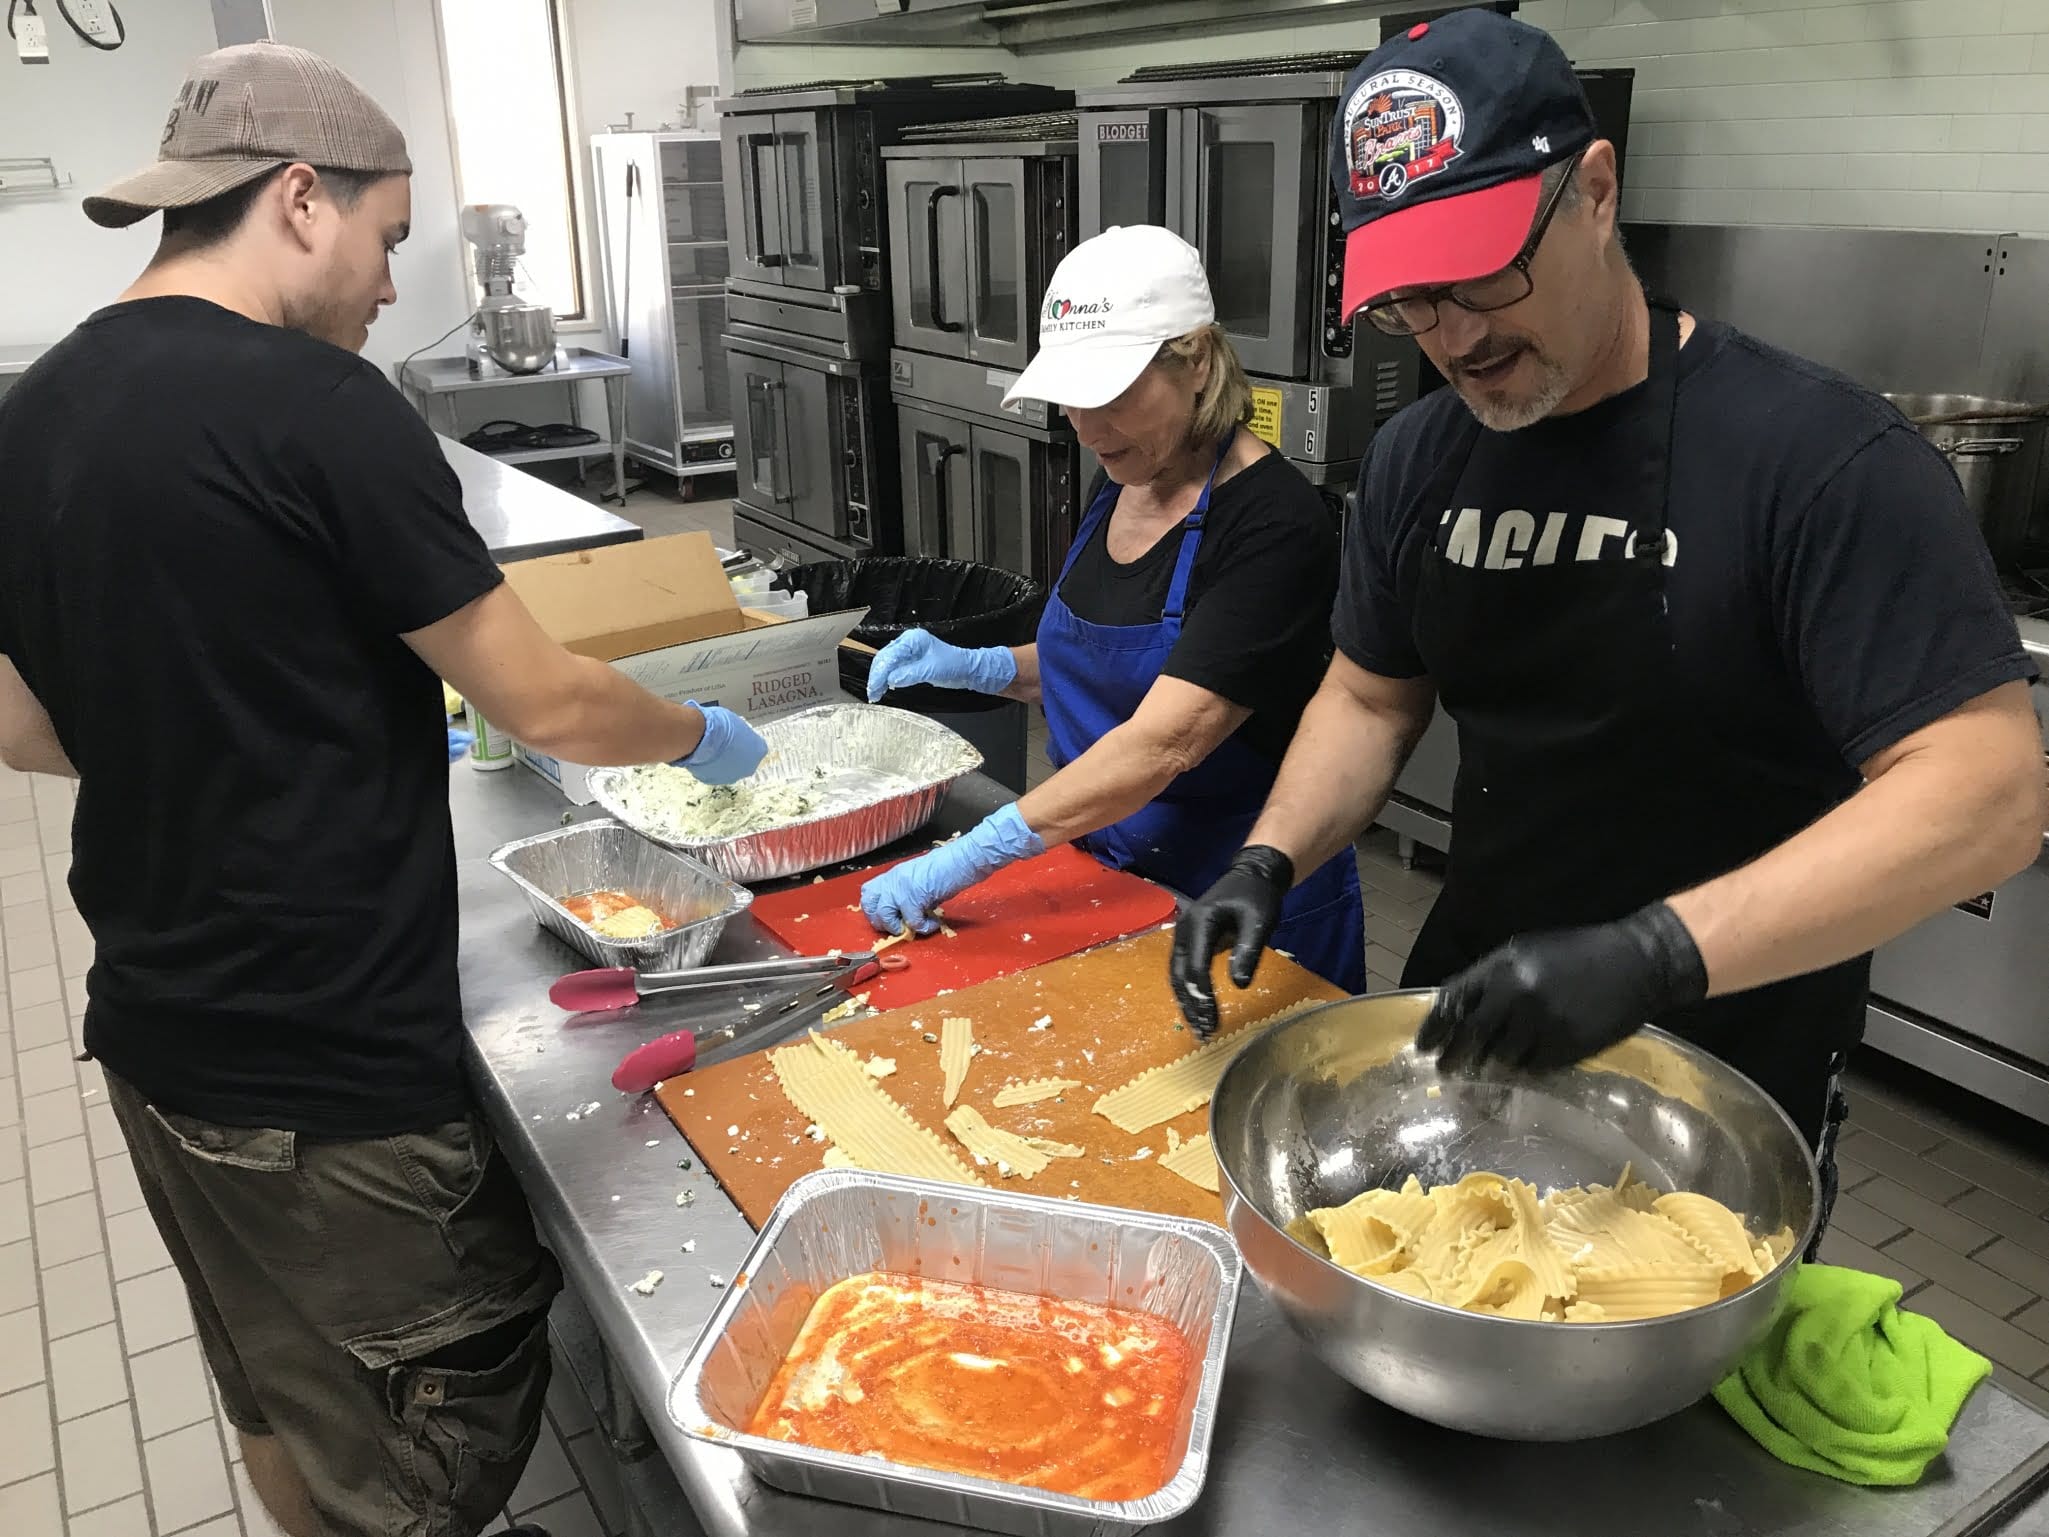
[{"x": 1514, "y": 540}]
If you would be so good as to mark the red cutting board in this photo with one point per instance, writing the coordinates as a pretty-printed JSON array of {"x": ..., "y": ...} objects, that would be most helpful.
[{"x": 1057, "y": 904}]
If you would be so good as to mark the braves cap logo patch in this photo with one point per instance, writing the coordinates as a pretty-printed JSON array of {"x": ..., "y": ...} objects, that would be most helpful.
[{"x": 1401, "y": 127}]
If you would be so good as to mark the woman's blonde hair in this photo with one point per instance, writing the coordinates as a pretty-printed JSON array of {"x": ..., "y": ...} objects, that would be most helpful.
[{"x": 1226, "y": 400}]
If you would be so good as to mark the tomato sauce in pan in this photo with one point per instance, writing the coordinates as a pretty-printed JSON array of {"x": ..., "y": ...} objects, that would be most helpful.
[{"x": 1071, "y": 1397}]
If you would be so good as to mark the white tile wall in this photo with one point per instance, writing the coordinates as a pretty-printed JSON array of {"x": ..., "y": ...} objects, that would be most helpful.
[{"x": 1897, "y": 114}]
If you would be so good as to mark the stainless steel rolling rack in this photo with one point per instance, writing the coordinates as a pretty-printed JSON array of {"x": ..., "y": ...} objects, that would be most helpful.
[{"x": 662, "y": 217}]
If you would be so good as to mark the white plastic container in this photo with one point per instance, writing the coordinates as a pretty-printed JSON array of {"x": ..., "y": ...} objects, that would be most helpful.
[{"x": 492, "y": 748}]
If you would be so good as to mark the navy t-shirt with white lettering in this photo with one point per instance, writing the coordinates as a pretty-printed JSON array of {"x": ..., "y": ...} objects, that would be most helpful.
[{"x": 1829, "y": 595}]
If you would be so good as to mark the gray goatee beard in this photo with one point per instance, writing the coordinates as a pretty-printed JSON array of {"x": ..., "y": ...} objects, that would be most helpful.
[{"x": 1498, "y": 414}]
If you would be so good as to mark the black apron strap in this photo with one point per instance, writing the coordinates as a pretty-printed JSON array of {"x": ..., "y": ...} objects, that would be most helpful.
[
  {"x": 1836, "y": 1111},
  {"x": 1657, "y": 463}
]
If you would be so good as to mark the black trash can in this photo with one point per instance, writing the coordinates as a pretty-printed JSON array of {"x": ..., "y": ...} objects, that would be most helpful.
[{"x": 961, "y": 602}]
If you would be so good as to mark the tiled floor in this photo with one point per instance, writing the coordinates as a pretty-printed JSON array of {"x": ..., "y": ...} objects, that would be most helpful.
[
  {"x": 108, "y": 1426},
  {"x": 659, "y": 510}
]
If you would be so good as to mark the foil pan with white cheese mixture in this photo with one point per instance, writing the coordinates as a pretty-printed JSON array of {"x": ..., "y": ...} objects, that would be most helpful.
[{"x": 839, "y": 781}]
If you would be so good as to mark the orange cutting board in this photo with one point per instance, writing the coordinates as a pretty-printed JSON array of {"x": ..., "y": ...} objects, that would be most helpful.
[
  {"x": 1058, "y": 903},
  {"x": 1112, "y": 1018}
]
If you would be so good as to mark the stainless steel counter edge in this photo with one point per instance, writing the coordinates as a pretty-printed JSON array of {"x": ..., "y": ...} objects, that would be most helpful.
[
  {"x": 601, "y": 1170},
  {"x": 520, "y": 516}
]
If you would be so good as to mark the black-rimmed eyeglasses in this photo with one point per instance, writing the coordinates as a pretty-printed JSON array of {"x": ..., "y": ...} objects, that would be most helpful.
[{"x": 1413, "y": 313}]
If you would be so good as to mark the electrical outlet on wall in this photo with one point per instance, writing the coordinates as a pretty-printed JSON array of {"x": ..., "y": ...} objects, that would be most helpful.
[
  {"x": 93, "y": 20},
  {"x": 30, "y": 40}
]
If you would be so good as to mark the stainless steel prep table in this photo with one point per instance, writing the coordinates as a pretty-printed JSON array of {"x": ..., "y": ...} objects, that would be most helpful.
[
  {"x": 520, "y": 517},
  {"x": 1296, "y": 1447},
  {"x": 423, "y": 379}
]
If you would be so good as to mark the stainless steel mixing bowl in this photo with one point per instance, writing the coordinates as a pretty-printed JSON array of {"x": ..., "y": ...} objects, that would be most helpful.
[{"x": 1337, "y": 1100}]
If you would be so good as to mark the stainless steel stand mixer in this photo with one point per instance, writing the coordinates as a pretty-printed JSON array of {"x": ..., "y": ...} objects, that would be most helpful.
[{"x": 506, "y": 332}]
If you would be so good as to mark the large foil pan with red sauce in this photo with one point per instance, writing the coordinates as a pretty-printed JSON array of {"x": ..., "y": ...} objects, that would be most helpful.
[{"x": 1090, "y": 1262}]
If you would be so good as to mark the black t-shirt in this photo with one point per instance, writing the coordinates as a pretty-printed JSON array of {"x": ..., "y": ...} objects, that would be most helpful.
[
  {"x": 215, "y": 532},
  {"x": 1256, "y": 630},
  {"x": 1830, "y": 593}
]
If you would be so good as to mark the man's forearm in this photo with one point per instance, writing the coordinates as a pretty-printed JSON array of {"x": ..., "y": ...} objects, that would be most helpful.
[
  {"x": 1338, "y": 773},
  {"x": 605, "y": 717},
  {"x": 1931, "y": 830}
]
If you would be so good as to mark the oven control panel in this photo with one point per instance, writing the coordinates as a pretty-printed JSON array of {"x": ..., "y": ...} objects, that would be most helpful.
[
  {"x": 1337, "y": 336},
  {"x": 852, "y": 446},
  {"x": 866, "y": 195}
]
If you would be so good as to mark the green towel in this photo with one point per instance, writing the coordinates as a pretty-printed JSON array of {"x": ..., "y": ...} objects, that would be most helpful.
[{"x": 1848, "y": 1385}]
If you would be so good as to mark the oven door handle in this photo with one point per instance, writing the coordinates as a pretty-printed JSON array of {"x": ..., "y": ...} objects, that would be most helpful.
[
  {"x": 757, "y": 251},
  {"x": 1205, "y": 172},
  {"x": 1982, "y": 448},
  {"x": 771, "y": 393},
  {"x": 942, "y": 498},
  {"x": 937, "y": 317}
]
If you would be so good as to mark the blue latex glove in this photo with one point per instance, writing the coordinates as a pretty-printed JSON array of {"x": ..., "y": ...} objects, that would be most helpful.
[
  {"x": 919, "y": 656},
  {"x": 458, "y": 744},
  {"x": 908, "y": 893},
  {"x": 731, "y": 749}
]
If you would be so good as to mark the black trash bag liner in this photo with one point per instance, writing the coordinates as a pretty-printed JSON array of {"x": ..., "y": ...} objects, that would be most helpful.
[{"x": 961, "y": 602}]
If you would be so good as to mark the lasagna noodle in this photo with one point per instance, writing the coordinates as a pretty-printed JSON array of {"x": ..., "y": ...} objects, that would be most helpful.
[
  {"x": 832, "y": 1088},
  {"x": 956, "y": 1050},
  {"x": 1585, "y": 1255},
  {"x": 1031, "y": 1092},
  {"x": 1013, "y": 1154},
  {"x": 1650, "y": 1291},
  {"x": 1161, "y": 1093},
  {"x": 1194, "y": 1160},
  {"x": 1714, "y": 1228}
]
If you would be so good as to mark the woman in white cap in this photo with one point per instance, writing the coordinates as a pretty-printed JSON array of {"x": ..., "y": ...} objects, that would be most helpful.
[{"x": 1189, "y": 626}]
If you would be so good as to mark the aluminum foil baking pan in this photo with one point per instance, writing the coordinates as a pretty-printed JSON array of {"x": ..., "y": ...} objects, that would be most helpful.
[
  {"x": 838, "y": 1223},
  {"x": 601, "y": 855},
  {"x": 888, "y": 771}
]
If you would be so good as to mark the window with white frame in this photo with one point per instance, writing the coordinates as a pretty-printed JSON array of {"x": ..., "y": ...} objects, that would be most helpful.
[{"x": 508, "y": 106}]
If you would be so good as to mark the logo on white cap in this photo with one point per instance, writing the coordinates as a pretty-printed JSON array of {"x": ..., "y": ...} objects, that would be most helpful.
[{"x": 1071, "y": 315}]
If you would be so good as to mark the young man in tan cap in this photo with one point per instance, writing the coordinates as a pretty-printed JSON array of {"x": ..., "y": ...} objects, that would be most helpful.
[{"x": 235, "y": 562}]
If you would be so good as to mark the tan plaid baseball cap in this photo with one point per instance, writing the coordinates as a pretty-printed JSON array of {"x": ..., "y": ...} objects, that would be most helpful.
[{"x": 242, "y": 113}]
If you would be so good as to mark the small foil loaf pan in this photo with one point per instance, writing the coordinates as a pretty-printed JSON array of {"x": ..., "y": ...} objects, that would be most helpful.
[
  {"x": 602, "y": 856},
  {"x": 870, "y": 773},
  {"x": 838, "y": 1223}
]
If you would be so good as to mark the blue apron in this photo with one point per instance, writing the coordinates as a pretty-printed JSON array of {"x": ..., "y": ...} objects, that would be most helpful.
[{"x": 1092, "y": 677}]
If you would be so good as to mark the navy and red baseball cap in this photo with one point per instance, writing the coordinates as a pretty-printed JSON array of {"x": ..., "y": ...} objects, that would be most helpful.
[{"x": 1440, "y": 147}]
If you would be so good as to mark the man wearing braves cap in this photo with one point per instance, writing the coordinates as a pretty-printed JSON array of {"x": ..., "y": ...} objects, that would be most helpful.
[
  {"x": 235, "y": 561},
  {"x": 1683, "y": 595}
]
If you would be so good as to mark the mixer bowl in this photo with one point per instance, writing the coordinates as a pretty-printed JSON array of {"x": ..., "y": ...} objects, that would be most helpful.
[
  {"x": 520, "y": 338},
  {"x": 1337, "y": 1100}
]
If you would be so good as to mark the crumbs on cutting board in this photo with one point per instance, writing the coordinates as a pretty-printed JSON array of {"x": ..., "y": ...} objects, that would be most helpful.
[
  {"x": 846, "y": 1010},
  {"x": 646, "y": 1284}
]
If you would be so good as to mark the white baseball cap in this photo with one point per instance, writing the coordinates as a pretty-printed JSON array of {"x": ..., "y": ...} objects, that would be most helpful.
[{"x": 1110, "y": 305}]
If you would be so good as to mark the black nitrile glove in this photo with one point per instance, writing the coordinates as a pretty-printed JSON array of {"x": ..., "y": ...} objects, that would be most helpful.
[
  {"x": 1548, "y": 1000},
  {"x": 1241, "y": 910}
]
